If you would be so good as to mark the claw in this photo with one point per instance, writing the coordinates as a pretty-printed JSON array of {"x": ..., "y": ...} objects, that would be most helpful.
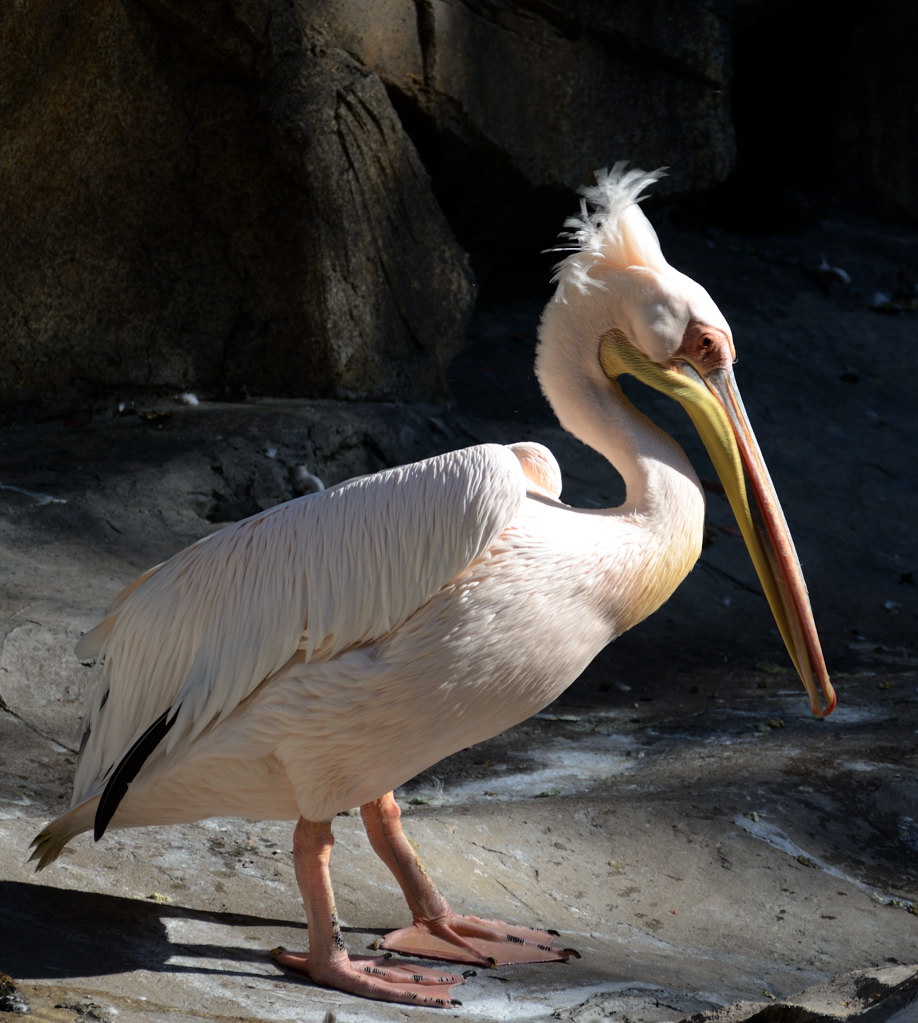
[
  {"x": 376, "y": 977},
  {"x": 489, "y": 943}
]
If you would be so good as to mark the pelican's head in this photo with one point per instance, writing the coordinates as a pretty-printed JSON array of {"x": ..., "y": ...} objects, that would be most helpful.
[{"x": 653, "y": 322}]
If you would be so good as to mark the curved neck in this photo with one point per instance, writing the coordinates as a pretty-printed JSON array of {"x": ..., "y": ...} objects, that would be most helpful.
[
  {"x": 660, "y": 482},
  {"x": 654, "y": 537}
]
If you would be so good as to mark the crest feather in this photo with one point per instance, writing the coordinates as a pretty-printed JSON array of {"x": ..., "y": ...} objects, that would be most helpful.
[{"x": 611, "y": 229}]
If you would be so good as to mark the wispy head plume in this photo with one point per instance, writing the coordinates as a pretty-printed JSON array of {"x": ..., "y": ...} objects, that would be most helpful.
[{"x": 611, "y": 229}]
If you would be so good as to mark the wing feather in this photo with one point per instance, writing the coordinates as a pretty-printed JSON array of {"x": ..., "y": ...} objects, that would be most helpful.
[{"x": 196, "y": 635}]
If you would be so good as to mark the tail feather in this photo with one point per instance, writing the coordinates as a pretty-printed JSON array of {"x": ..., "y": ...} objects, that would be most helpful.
[{"x": 49, "y": 843}]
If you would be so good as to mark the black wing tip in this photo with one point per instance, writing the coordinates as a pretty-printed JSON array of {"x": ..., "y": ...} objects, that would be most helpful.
[{"x": 127, "y": 770}]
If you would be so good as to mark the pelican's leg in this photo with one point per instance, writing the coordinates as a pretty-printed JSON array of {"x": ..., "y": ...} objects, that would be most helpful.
[
  {"x": 327, "y": 962},
  {"x": 437, "y": 932}
]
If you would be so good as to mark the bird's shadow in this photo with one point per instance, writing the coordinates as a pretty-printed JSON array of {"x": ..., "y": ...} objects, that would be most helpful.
[{"x": 51, "y": 933}]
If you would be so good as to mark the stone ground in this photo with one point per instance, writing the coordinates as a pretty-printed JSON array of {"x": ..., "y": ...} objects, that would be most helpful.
[{"x": 677, "y": 815}]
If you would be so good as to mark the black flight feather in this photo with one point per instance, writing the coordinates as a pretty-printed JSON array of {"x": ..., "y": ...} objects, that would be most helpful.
[{"x": 127, "y": 769}]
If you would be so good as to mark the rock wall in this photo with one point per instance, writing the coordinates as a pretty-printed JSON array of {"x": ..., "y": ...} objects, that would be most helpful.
[
  {"x": 557, "y": 88},
  {"x": 216, "y": 199},
  {"x": 280, "y": 195}
]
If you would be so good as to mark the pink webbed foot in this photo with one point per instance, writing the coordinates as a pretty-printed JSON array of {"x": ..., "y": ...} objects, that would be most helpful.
[
  {"x": 438, "y": 932},
  {"x": 469, "y": 939},
  {"x": 377, "y": 977}
]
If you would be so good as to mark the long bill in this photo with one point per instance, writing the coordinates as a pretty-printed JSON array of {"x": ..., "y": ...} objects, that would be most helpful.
[{"x": 714, "y": 405}]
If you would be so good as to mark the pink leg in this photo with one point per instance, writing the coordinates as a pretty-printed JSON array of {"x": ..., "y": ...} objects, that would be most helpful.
[
  {"x": 327, "y": 962},
  {"x": 437, "y": 932}
]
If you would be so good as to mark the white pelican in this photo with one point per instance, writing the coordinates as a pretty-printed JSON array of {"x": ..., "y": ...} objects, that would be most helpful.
[{"x": 316, "y": 656}]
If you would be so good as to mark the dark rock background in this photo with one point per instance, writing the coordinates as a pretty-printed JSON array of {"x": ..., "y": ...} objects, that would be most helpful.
[{"x": 269, "y": 196}]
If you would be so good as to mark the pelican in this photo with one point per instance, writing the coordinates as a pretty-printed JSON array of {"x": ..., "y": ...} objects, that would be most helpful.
[{"x": 316, "y": 656}]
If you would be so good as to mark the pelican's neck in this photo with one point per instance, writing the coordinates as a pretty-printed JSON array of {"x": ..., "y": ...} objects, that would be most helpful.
[
  {"x": 654, "y": 537},
  {"x": 661, "y": 485}
]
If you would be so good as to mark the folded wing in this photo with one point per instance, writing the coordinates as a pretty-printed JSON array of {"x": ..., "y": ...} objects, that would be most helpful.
[{"x": 194, "y": 636}]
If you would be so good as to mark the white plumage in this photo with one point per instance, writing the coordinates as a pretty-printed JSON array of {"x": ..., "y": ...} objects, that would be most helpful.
[
  {"x": 316, "y": 656},
  {"x": 316, "y": 575}
]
